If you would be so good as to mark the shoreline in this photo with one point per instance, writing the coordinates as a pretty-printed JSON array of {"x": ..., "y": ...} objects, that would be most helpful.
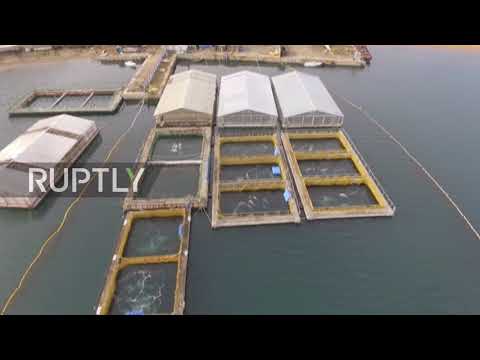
[{"x": 466, "y": 48}]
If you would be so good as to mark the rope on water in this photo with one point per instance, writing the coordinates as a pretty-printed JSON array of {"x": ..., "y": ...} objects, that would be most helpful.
[
  {"x": 414, "y": 159},
  {"x": 205, "y": 211},
  {"x": 66, "y": 215}
]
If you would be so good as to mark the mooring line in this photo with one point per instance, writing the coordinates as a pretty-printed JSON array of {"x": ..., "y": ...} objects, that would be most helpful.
[
  {"x": 67, "y": 213},
  {"x": 205, "y": 211},
  {"x": 414, "y": 159}
]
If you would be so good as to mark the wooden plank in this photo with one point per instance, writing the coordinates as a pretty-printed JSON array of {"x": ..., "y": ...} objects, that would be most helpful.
[{"x": 88, "y": 99}]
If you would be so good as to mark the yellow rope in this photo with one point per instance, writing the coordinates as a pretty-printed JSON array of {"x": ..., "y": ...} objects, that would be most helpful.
[
  {"x": 65, "y": 216},
  {"x": 414, "y": 159}
]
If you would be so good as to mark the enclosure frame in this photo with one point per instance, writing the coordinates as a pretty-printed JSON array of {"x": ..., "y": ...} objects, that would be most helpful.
[
  {"x": 200, "y": 200},
  {"x": 119, "y": 262},
  {"x": 383, "y": 207},
  {"x": 227, "y": 220},
  {"x": 21, "y": 106}
]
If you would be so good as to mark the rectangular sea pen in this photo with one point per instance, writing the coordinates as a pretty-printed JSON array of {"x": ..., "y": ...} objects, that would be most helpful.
[{"x": 306, "y": 185}]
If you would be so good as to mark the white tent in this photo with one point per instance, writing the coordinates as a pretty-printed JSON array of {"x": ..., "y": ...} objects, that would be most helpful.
[
  {"x": 304, "y": 101},
  {"x": 246, "y": 99},
  {"x": 188, "y": 99}
]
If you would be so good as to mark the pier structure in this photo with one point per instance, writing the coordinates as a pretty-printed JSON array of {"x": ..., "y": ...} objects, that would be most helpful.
[
  {"x": 234, "y": 56},
  {"x": 150, "y": 79},
  {"x": 52, "y": 143},
  {"x": 332, "y": 179},
  {"x": 173, "y": 153},
  {"x": 82, "y": 101},
  {"x": 148, "y": 272},
  {"x": 251, "y": 171}
]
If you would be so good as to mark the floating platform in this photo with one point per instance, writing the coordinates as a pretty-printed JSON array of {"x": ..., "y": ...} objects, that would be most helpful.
[
  {"x": 176, "y": 163},
  {"x": 332, "y": 178},
  {"x": 149, "y": 268},
  {"x": 251, "y": 184},
  {"x": 84, "y": 101},
  {"x": 55, "y": 142}
]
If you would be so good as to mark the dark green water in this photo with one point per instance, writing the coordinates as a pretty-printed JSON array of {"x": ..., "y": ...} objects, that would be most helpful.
[{"x": 423, "y": 260}]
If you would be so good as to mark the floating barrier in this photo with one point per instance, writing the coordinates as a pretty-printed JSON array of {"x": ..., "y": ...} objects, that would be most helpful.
[{"x": 418, "y": 163}]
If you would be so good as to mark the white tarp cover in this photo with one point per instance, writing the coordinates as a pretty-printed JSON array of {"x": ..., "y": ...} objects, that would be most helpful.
[
  {"x": 19, "y": 145},
  {"x": 191, "y": 90},
  {"x": 47, "y": 148},
  {"x": 36, "y": 145},
  {"x": 64, "y": 122},
  {"x": 246, "y": 91},
  {"x": 299, "y": 93}
]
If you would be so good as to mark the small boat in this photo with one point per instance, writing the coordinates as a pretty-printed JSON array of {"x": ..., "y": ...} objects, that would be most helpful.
[
  {"x": 130, "y": 64},
  {"x": 312, "y": 64}
]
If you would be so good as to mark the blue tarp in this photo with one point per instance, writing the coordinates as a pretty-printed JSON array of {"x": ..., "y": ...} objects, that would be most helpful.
[
  {"x": 135, "y": 312},
  {"x": 276, "y": 170},
  {"x": 287, "y": 195}
]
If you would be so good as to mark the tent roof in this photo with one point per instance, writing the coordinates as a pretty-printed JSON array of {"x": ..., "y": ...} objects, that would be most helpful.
[
  {"x": 191, "y": 90},
  {"x": 37, "y": 145},
  {"x": 246, "y": 90},
  {"x": 64, "y": 122},
  {"x": 300, "y": 93},
  {"x": 47, "y": 148}
]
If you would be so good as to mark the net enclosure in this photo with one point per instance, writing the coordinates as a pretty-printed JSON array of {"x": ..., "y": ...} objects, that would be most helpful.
[
  {"x": 52, "y": 143},
  {"x": 82, "y": 101},
  {"x": 304, "y": 101},
  {"x": 187, "y": 100},
  {"x": 246, "y": 100},
  {"x": 148, "y": 272},
  {"x": 333, "y": 181},
  {"x": 175, "y": 165},
  {"x": 251, "y": 183}
]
